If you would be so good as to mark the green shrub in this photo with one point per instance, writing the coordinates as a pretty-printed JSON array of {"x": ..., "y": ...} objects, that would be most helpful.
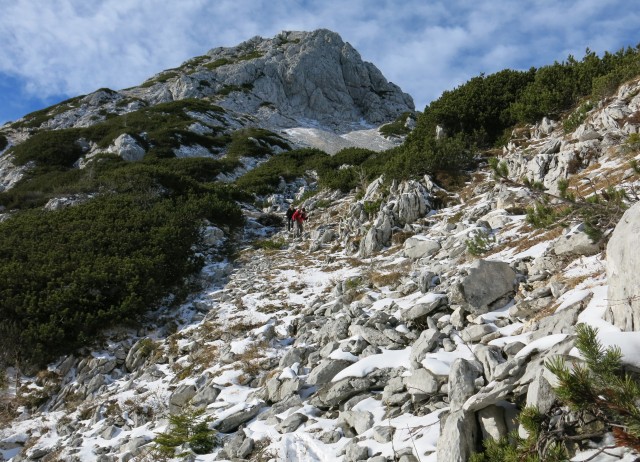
[
  {"x": 577, "y": 117},
  {"x": 4, "y": 142},
  {"x": 632, "y": 144},
  {"x": 289, "y": 165},
  {"x": 601, "y": 386},
  {"x": 396, "y": 128},
  {"x": 270, "y": 244},
  {"x": 228, "y": 89},
  {"x": 251, "y": 55},
  {"x": 372, "y": 207},
  {"x": 189, "y": 428},
  {"x": 68, "y": 274},
  {"x": 51, "y": 148},
  {"x": 271, "y": 219},
  {"x": 514, "y": 448},
  {"x": 218, "y": 63},
  {"x": 37, "y": 118},
  {"x": 254, "y": 142},
  {"x": 480, "y": 243}
]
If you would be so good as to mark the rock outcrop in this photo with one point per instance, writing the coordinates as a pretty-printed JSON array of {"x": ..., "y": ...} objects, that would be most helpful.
[{"x": 623, "y": 268}]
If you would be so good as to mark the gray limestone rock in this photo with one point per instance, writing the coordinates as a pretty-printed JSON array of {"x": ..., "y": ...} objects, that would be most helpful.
[
  {"x": 205, "y": 396},
  {"x": 292, "y": 356},
  {"x": 232, "y": 422},
  {"x": 333, "y": 394},
  {"x": 492, "y": 422},
  {"x": 529, "y": 306},
  {"x": 181, "y": 397},
  {"x": 421, "y": 383},
  {"x": 291, "y": 423},
  {"x": 510, "y": 349},
  {"x": 623, "y": 267},
  {"x": 383, "y": 433},
  {"x": 127, "y": 147},
  {"x": 326, "y": 370},
  {"x": 425, "y": 343},
  {"x": 419, "y": 247},
  {"x": 575, "y": 242},
  {"x": 360, "y": 421},
  {"x": 355, "y": 453},
  {"x": 138, "y": 354},
  {"x": 458, "y": 437},
  {"x": 475, "y": 332},
  {"x": 490, "y": 357},
  {"x": 540, "y": 394},
  {"x": 486, "y": 283},
  {"x": 462, "y": 381},
  {"x": 561, "y": 322},
  {"x": 278, "y": 390},
  {"x": 371, "y": 335},
  {"x": 424, "y": 306}
]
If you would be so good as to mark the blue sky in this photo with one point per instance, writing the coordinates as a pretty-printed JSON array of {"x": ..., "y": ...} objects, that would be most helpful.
[{"x": 52, "y": 50}]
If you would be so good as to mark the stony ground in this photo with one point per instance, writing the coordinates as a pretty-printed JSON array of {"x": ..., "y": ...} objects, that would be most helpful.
[{"x": 392, "y": 331}]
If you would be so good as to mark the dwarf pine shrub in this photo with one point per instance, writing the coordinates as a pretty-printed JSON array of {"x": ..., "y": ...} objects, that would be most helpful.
[
  {"x": 480, "y": 243},
  {"x": 187, "y": 431},
  {"x": 601, "y": 387}
]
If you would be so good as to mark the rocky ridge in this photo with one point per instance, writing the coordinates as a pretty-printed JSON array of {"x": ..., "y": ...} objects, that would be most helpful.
[
  {"x": 311, "y": 88},
  {"x": 378, "y": 336}
]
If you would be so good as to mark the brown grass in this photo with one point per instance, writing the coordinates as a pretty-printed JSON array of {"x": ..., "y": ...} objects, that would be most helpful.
[
  {"x": 399, "y": 237},
  {"x": 252, "y": 358},
  {"x": 8, "y": 412},
  {"x": 632, "y": 119},
  {"x": 391, "y": 279},
  {"x": 241, "y": 327},
  {"x": 538, "y": 236},
  {"x": 269, "y": 308},
  {"x": 573, "y": 282},
  {"x": 205, "y": 357}
]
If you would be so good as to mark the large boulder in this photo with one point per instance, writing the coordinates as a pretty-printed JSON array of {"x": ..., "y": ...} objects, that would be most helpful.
[
  {"x": 575, "y": 241},
  {"x": 486, "y": 283},
  {"x": 127, "y": 147},
  {"x": 458, "y": 437},
  {"x": 411, "y": 202},
  {"x": 623, "y": 267},
  {"x": 418, "y": 246}
]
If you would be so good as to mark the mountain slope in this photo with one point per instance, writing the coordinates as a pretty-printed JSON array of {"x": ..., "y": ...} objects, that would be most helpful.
[
  {"x": 311, "y": 83},
  {"x": 379, "y": 336}
]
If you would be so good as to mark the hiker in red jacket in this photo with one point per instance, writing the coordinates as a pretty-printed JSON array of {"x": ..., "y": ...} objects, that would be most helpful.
[{"x": 298, "y": 218}]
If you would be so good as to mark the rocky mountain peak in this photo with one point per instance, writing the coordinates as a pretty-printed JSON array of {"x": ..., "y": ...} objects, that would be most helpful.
[{"x": 293, "y": 79}]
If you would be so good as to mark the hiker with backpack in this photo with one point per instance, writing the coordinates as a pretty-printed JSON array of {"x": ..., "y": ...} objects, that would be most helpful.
[
  {"x": 299, "y": 218},
  {"x": 290, "y": 211}
]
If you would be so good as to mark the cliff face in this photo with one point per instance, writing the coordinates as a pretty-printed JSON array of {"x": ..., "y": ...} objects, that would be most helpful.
[{"x": 293, "y": 78}]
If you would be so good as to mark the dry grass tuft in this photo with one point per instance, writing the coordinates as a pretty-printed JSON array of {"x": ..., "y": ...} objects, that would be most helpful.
[
  {"x": 252, "y": 358},
  {"x": 537, "y": 237},
  {"x": 399, "y": 237},
  {"x": 242, "y": 327},
  {"x": 391, "y": 279}
]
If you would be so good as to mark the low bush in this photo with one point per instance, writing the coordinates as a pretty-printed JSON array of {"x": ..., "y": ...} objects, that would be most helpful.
[
  {"x": 396, "y": 128},
  {"x": 190, "y": 429},
  {"x": 270, "y": 244},
  {"x": 290, "y": 165},
  {"x": 67, "y": 274},
  {"x": 254, "y": 142}
]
